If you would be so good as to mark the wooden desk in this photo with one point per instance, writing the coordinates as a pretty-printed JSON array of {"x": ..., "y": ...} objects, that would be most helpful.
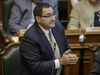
[
  {"x": 84, "y": 53},
  {"x": 73, "y": 36},
  {"x": 92, "y": 37}
]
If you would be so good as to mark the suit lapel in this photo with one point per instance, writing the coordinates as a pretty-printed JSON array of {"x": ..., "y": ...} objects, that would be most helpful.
[
  {"x": 58, "y": 39},
  {"x": 45, "y": 40}
]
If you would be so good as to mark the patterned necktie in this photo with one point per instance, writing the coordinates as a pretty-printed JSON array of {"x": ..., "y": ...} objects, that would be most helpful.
[
  {"x": 56, "y": 51},
  {"x": 51, "y": 39}
]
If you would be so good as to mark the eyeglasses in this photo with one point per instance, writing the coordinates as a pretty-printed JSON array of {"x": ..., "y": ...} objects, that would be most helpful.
[{"x": 50, "y": 15}]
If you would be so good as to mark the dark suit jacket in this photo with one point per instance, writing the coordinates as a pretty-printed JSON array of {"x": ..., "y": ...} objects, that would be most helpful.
[
  {"x": 36, "y": 52},
  {"x": 21, "y": 13},
  {"x": 96, "y": 66}
]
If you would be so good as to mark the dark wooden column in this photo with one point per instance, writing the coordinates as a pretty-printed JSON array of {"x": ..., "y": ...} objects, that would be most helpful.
[
  {"x": 0, "y": 10},
  {"x": 69, "y": 9}
]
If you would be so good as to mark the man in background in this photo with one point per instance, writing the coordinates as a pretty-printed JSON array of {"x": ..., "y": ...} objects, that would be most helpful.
[{"x": 22, "y": 14}]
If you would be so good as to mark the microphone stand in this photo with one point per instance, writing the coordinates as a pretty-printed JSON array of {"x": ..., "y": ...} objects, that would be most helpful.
[{"x": 82, "y": 39}]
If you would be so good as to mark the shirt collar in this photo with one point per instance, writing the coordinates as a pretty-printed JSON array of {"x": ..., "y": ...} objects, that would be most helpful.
[
  {"x": 44, "y": 30},
  {"x": 33, "y": 3}
]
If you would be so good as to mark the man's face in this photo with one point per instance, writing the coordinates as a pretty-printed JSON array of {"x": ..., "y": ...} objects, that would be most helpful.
[
  {"x": 47, "y": 22},
  {"x": 36, "y": 1}
]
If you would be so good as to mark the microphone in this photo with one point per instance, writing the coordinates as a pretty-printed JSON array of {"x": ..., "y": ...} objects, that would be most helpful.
[
  {"x": 82, "y": 39},
  {"x": 54, "y": 48},
  {"x": 94, "y": 23}
]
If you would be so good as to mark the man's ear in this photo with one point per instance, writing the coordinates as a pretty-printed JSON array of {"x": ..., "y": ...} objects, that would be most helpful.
[{"x": 38, "y": 19}]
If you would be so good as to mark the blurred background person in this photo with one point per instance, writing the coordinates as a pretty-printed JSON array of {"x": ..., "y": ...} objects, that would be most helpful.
[
  {"x": 84, "y": 14},
  {"x": 22, "y": 14}
]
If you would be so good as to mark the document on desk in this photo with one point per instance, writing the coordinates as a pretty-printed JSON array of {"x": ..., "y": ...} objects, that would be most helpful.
[
  {"x": 92, "y": 29},
  {"x": 15, "y": 38}
]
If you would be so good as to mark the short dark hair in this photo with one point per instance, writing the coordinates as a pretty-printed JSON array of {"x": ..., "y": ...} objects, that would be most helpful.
[{"x": 38, "y": 9}]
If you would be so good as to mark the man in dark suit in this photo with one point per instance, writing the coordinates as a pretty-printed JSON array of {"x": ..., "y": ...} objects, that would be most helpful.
[
  {"x": 38, "y": 55},
  {"x": 96, "y": 66},
  {"x": 21, "y": 14}
]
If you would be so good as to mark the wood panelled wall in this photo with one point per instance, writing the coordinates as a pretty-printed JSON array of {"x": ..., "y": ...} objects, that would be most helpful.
[{"x": 0, "y": 11}]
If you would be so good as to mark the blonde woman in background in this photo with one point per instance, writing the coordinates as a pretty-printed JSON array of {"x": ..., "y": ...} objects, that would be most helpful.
[{"x": 84, "y": 14}]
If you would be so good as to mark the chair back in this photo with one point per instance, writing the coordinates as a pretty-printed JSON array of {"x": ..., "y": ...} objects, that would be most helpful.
[
  {"x": 95, "y": 54},
  {"x": 6, "y": 8},
  {"x": 94, "y": 50},
  {"x": 10, "y": 60}
]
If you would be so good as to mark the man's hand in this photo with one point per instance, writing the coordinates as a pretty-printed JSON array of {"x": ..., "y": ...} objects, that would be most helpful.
[{"x": 68, "y": 58}]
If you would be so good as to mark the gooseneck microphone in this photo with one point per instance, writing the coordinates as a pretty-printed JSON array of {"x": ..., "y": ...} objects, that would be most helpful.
[
  {"x": 54, "y": 48},
  {"x": 92, "y": 25}
]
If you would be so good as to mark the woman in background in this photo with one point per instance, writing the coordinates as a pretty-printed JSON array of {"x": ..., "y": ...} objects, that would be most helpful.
[{"x": 84, "y": 14}]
